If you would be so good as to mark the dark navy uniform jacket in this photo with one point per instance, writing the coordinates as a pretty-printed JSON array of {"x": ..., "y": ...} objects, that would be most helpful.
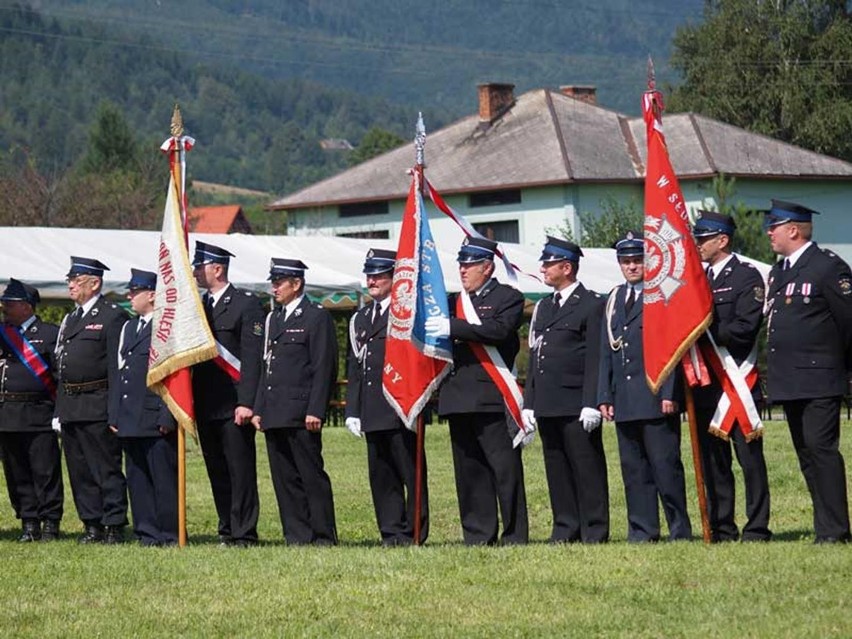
[
  {"x": 139, "y": 411},
  {"x": 738, "y": 299},
  {"x": 86, "y": 352},
  {"x": 300, "y": 367},
  {"x": 563, "y": 371},
  {"x": 36, "y": 414},
  {"x": 468, "y": 388},
  {"x": 622, "y": 380},
  {"x": 364, "y": 396},
  {"x": 809, "y": 327},
  {"x": 237, "y": 323}
]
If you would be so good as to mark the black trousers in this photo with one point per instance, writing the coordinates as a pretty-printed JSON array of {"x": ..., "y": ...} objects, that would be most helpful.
[
  {"x": 391, "y": 459},
  {"x": 575, "y": 465},
  {"x": 302, "y": 487},
  {"x": 93, "y": 456},
  {"x": 721, "y": 487},
  {"x": 488, "y": 471},
  {"x": 151, "y": 465},
  {"x": 33, "y": 469},
  {"x": 651, "y": 467},
  {"x": 815, "y": 429},
  {"x": 231, "y": 461}
]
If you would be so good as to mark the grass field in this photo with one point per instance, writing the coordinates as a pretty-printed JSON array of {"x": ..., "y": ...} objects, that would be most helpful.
[{"x": 783, "y": 589}]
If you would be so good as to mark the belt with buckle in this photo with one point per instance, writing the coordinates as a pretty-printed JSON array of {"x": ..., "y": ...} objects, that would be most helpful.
[
  {"x": 23, "y": 397},
  {"x": 84, "y": 387}
]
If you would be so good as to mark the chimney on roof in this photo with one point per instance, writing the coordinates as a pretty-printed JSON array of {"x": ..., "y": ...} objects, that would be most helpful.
[
  {"x": 584, "y": 93},
  {"x": 494, "y": 100}
]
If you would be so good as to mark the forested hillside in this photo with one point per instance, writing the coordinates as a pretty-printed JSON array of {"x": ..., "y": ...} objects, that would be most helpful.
[{"x": 251, "y": 131}]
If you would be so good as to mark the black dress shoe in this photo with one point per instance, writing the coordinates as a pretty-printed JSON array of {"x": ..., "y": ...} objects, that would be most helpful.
[
  {"x": 114, "y": 535},
  {"x": 31, "y": 531},
  {"x": 50, "y": 530},
  {"x": 94, "y": 535},
  {"x": 226, "y": 540},
  {"x": 244, "y": 543},
  {"x": 832, "y": 540}
]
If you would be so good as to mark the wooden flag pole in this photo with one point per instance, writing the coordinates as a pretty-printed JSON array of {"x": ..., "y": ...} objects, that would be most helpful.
[
  {"x": 697, "y": 464},
  {"x": 418, "y": 478},
  {"x": 176, "y": 131}
]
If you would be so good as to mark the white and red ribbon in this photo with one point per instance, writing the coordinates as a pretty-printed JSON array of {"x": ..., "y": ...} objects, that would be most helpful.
[
  {"x": 496, "y": 368},
  {"x": 228, "y": 362},
  {"x": 736, "y": 405}
]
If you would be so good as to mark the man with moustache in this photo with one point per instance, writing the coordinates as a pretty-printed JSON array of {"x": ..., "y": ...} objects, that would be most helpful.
[
  {"x": 391, "y": 447},
  {"x": 561, "y": 397},
  {"x": 488, "y": 467},
  {"x": 224, "y": 390},
  {"x": 809, "y": 335},
  {"x": 86, "y": 352},
  {"x": 144, "y": 425},
  {"x": 647, "y": 425},
  {"x": 32, "y": 461},
  {"x": 738, "y": 297},
  {"x": 299, "y": 373}
]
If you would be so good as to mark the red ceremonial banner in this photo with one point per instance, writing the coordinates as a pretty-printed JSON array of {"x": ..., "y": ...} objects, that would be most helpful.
[{"x": 678, "y": 306}]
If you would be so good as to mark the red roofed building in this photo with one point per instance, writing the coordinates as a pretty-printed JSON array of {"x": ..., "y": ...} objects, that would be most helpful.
[{"x": 218, "y": 219}]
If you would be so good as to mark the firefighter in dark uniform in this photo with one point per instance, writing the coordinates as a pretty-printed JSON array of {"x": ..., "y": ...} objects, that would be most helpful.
[
  {"x": 647, "y": 426},
  {"x": 738, "y": 298},
  {"x": 391, "y": 447},
  {"x": 224, "y": 391},
  {"x": 488, "y": 469},
  {"x": 561, "y": 397},
  {"x": 86, "y": 352},
  {"x": 298, "y": 378},
  {"x": 809, "y": 329},
  {"x": 32, "y": 461},
  {"x": 145, "y": 426}
]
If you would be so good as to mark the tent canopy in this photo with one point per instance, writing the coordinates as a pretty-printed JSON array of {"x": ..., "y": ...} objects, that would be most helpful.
[{"x": 41, "y": 257}]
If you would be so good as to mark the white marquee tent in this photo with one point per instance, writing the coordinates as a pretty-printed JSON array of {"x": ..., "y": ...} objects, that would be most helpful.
[{"x": 40, "y": 256}]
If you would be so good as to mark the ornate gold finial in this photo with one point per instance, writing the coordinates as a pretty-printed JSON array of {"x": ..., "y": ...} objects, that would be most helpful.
[{"x": 177, "y": 122}]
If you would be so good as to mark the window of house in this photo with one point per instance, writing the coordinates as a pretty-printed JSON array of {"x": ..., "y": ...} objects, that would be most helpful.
[
  {"x": 367, "y": 235},
  {"x": 506, "y": 231},
  {"x": 494, "y": 198},
  {"x": 357, "y": 209}
]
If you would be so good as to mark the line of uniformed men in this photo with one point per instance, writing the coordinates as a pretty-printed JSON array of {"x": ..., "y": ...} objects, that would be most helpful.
[{"x": 586, "y": 365}]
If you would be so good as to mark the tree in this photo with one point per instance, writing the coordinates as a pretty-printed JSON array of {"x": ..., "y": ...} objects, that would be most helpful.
[
  {"x": 375, "y": 142},
  {"x": 111, "y": 143},
  {"x": 779, "y": 68},
  {"x": 600, "y": 230}
]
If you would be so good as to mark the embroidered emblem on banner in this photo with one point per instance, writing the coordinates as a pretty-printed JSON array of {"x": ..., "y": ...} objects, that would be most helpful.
[{"x": 665, "y": 260}]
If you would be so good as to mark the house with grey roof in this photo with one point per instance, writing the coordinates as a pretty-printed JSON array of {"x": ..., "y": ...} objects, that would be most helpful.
[{"x": 524, "y": 165}]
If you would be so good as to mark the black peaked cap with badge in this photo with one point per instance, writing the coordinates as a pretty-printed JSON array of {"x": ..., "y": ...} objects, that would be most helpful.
[
  {"x": 379, "y": 261},
  {"x": 632, "y": 244},
  {"x": 476, "y": 249},
  {"x": 210, "y": 254},
  {"x": 17, "y": 291},
  {"x": 557, "y": 250},
  {"x": 783, "y": 212},
  {"x": 281, "y": 267},
  {"x": 711, "y": 223},
  {"x": 142, "y": 280},
  {"x": 86, "y": 266}
]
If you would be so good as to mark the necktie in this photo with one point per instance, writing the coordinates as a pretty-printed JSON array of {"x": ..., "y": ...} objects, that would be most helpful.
[
  {"x": 631, "y": 299},
  {"x": 557, "y": 300},
  {"x": 140, "y": 325},
  {"x": 375, "y": 315},
  {"x": 73, "y": 318},
  {"x": 710, "y": 275},
  {"x": 786, "y": 264},
  {"x": 208, "y": 306}
]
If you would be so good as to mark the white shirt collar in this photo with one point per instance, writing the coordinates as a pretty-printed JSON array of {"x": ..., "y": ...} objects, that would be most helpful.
[
  {"x": 795, "y": 255},
  {"x": 27, "y": 323},
  {"x": 218, "y": 294},
  {"x": 719, "y": 266},
  {"x": 88, "y": 305},
  {"x": 565, "y": 293},
  {"x": 289, "y": 308},
  {"x": 383, "y": 305}
]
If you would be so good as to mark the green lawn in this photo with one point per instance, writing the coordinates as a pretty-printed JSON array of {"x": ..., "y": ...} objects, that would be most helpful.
[{"x": 786, "y": 588}]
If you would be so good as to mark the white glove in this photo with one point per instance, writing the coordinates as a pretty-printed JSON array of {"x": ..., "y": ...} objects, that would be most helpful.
[
  {"x": 55, "y": 425},
  {"x": 438, "y": 326},
  {"x": 591, "y": 418},
  {"x": 528, "y": 417},
  {"x": 354, "y": 425}
]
